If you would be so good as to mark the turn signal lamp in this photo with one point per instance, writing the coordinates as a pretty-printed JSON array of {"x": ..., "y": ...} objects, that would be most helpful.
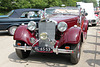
[
  {"x": 19, "y": 44},
  {"x": 67, "y": 47}
]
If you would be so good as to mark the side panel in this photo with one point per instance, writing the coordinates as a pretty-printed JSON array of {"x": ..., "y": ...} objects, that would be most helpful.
[
  {"x": 23, "y": 34},
  {"x": 71, "y": 36},
  {"x": 8, "y": 22}
]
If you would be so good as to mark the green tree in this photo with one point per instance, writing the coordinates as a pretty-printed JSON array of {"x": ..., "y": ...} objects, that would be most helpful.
[
  {"x": 5, "y": 4},
  {"x": 38, "y": 3},
  {"x": 22, "y": 4},
  {"x": 52, "y": 3},
  {"x": 70, "y": 2}
]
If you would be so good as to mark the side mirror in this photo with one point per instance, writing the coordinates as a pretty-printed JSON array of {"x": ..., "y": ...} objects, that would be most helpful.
[{"x": 86, "y": 14}]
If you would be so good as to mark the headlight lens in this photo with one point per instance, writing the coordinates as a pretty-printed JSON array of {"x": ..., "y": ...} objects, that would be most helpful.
[
  {"x": 32, "y": 40},
  {"x": 43, "y": 36},
  {"x": 31, "y": 25},
  {"x": 62, "y": 26}
]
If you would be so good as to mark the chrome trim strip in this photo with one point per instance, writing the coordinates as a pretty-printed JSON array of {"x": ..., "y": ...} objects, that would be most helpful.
[
  {"x": 37, "y": 29},
  {"x": 36, "y": 42}
]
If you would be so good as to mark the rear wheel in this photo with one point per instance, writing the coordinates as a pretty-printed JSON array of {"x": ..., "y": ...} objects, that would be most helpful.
[
  {"x": 21, "y": 53},
  {"x": 76, "y": 55},
  {"x": 12, "y": 29}
]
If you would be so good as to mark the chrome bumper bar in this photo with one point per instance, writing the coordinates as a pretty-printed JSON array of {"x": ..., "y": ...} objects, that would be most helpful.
[
  {"x": 62, "y": 51},
  {"x": 23, "y": 47},
  {"x": 55, "y": 50}
]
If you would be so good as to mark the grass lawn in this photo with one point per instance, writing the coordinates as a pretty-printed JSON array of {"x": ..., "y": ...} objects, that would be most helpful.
[{"x": 3, "y": 13}]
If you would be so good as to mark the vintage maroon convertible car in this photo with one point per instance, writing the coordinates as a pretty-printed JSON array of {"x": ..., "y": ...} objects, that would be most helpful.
[{"x": 61, "y": 31}]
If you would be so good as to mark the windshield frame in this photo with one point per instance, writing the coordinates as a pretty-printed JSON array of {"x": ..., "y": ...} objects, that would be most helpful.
[
  {"x": 71, "y": 8},
  {"x": 10, "y": 13}
]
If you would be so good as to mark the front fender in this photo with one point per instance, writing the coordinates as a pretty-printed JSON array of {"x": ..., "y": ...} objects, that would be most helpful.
[
  {"x": 23, "y": 34},
  {"x": 71, "y": 36},
  {"x": 85, "y": 26}
]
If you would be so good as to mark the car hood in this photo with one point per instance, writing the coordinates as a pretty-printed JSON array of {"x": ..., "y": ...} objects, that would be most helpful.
[
  {"x": 62, "y": 17},
  {"x": 3, "y": 16}
]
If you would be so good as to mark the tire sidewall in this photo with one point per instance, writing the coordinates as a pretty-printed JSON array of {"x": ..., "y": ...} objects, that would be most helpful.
[
  {"x": 74, "y": 56},
  {"x": 21, "y": 53}
]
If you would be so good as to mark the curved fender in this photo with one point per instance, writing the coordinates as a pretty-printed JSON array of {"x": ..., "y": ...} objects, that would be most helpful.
[
  {"x": 23, "y": 34},
  {"x": 71, "y": 36}
]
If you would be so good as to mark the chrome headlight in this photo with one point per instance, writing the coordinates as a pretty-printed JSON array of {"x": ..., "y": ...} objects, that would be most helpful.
[
  {"x": 31, "y": 25},
  {"x": 43, "y": 36},
  {"x": 62, "y": 26}
]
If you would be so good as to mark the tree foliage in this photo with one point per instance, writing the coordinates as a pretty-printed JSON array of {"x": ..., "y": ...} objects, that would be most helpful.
[
  {"x": 7, "y": 5},
  {"x": 91, "y": 1}
]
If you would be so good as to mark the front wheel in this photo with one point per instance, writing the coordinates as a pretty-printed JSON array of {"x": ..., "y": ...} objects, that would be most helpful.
[
  {"x": 12, "y": 30},
  {"x": 22, "y": 54},
  {"x": 76, "y": 55}
]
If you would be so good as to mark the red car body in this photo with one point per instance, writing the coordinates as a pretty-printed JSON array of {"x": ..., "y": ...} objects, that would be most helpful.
[{"x": 75, "y": 33}]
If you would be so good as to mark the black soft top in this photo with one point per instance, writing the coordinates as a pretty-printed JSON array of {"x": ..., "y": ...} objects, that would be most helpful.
[{"x": 18, "y": 12}]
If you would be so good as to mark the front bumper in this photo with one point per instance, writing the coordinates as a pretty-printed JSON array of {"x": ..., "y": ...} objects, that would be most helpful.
[
  {"x": 55, "y": 50},
  {"x": 92, "y": 22}
]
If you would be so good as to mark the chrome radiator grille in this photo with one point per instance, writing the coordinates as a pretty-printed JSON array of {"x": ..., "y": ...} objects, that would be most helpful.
[{"x": 49, "y": 28}]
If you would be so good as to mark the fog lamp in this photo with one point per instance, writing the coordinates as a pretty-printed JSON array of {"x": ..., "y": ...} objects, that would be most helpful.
[
  {"x": 43, "y": 36},
  {"x": 32, "y": 40}
]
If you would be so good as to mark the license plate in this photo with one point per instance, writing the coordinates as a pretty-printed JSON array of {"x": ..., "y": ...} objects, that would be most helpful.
[{"x": 42, "y": 48}]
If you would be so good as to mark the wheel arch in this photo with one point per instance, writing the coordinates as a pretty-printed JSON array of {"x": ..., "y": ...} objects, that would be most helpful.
[
  {"x": 23, "y": 34},
  {"x": 13, "y": 25}
]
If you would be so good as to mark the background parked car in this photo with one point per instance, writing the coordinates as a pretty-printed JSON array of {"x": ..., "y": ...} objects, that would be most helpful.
[
  {"x": 97, "y": 14},
  {"x": 16, "y": 17},
  {"x": 89, "y": 8}
]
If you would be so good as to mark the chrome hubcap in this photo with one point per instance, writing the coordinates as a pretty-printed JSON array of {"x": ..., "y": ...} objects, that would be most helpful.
[{"x": 13, "y": 30}]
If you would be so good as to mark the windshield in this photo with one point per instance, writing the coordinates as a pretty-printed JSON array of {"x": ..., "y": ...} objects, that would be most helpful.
[
  {"x": 7, "y": 15},
  {"x": 62, "y": 11},
  {"x": 32, "y": 14},
  {"x": 10, "y": 13}
]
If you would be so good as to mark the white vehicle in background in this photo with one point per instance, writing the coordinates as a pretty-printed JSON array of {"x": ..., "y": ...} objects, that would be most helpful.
[{"x": 90, "y": 10}]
